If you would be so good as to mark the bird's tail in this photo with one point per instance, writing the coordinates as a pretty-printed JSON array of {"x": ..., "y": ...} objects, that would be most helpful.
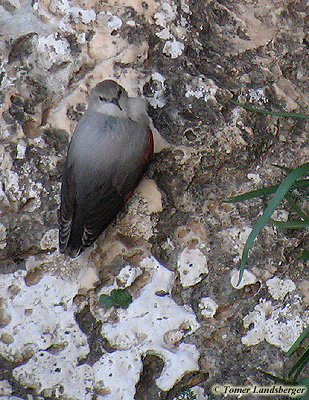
[{"x": 73, "y": 245}]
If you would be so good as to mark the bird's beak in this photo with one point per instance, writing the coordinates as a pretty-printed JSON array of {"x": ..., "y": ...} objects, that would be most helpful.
[{"x": 116, "y": 101}]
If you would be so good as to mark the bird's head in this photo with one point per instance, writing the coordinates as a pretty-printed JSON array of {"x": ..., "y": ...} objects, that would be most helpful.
[{"x": 110, "y": 98}]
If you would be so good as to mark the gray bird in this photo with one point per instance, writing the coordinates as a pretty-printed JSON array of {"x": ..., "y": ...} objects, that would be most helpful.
[{"x": 110, "y": 149}]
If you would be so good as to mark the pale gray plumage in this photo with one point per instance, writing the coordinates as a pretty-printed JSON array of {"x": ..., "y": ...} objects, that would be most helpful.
[{"x": 109, "y": 150}]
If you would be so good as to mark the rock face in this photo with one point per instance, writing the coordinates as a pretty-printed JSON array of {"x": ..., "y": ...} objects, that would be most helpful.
[{"x": 176, "y": 246}]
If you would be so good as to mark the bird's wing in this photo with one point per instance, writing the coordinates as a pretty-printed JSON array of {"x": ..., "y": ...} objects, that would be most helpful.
[
  {"x": 83, "y": 218},
  {"x": 100, "y": 209},
  {"x": 106, "y": 199},
  {"x": 91, "y": 197},
  {"x": 68, "y": 195}
]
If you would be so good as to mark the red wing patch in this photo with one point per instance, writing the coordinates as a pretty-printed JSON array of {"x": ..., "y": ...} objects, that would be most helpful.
[{"x": 150, "y": 148}]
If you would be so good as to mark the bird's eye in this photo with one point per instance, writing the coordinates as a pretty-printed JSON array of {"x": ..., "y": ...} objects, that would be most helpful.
[{"x": 101, "y": 98}]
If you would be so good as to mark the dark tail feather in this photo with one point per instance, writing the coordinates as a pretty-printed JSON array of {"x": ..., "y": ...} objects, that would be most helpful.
[{"x": 74, "y": 246}]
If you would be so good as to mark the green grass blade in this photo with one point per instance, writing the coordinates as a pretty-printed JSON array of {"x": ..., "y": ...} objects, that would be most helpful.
[
  {"x": 291, "y": 224},
  {"x": 285, "y": 169},
  {"x": 267, "y": 112},
  {"x": 304, "y": 255},
  {"x": 283, "y": 188},
  {"x": 297, "y": 343},
  {"x": 265, "y": 191},
  {"x": 252, "y": 194},
  {"x": 274, "y": 378},
  {"x": 299, "y": 365},
  {"x": 297, "y": 209}
]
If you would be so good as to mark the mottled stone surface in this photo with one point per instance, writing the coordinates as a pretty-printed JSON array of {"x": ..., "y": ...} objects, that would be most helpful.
[{"x": 176, "y": 246}]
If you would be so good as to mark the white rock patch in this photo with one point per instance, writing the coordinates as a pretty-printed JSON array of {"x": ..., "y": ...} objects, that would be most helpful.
[
  {"x": 173, "y": 48},
  {"x": 172, "y": 30},
  {"x": 50, "y": 239},
  {"x": 248, "y": 278},
  {"x": 40, "y": 330},
  {"x": 192, "y": 265},
  {"x": 279, "y": 326},
  {"x": 208, "y": 307},
  {"x": 279, "y": 288},
  {"x": 3, "y": 235},
  {"x": 145, "y": 325},
  {"x": 157, "y": 100}
]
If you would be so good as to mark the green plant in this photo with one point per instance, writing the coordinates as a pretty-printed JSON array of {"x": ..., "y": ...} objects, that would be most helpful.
[
  {"x": 267, "y": 112},
  {"x": 117, "y": 298},
  {"x": 289, "y": 183},
  {"x": 285, "y": 190},
  {"x": 297, "y": 368},
  {"x": 186, "y": 395}
]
